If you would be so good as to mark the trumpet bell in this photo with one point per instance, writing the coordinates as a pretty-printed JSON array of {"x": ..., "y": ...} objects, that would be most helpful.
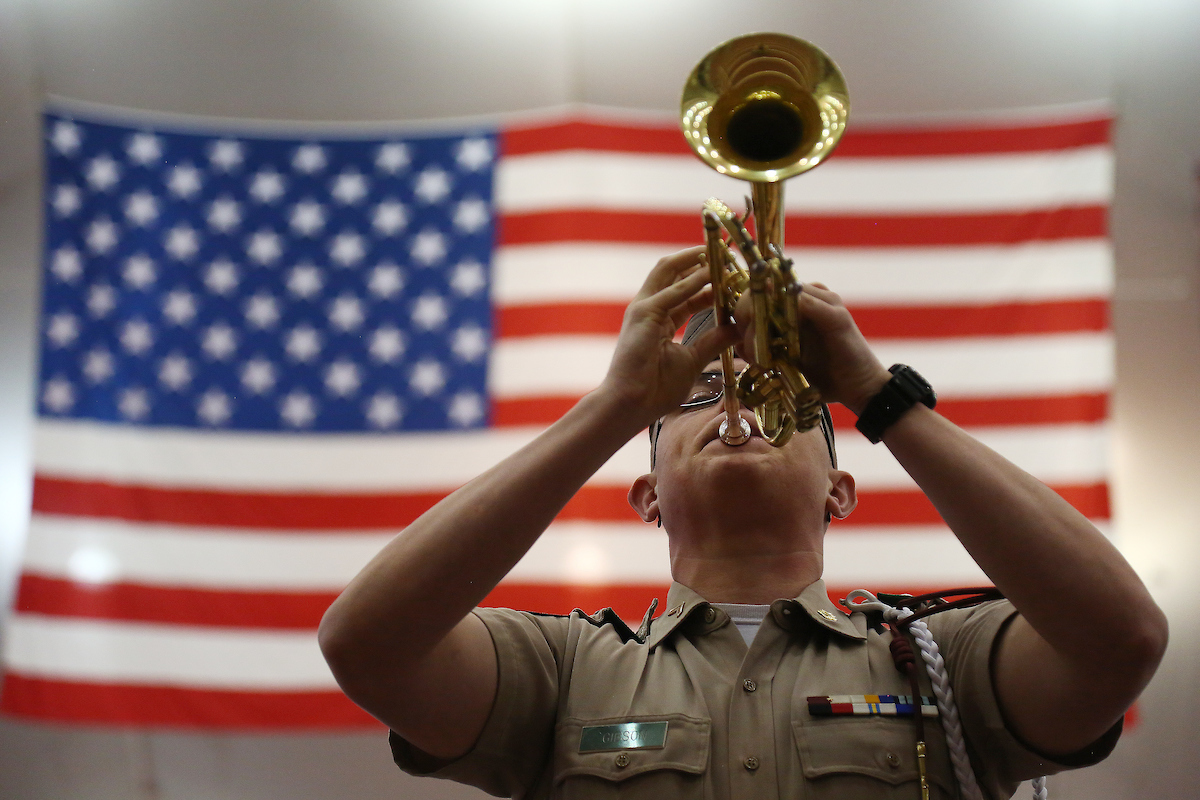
[{"x": 764, "y": 107}]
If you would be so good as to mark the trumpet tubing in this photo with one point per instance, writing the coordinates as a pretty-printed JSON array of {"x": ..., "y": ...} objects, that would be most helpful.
[{"x": 763, "y": 108}]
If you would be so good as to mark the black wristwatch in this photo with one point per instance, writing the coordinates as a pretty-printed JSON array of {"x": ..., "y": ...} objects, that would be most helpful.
[{"x": 902, "y": 392}]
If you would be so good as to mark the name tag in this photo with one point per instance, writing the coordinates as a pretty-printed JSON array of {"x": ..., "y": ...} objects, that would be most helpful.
[{"x": 625, "y": 736}]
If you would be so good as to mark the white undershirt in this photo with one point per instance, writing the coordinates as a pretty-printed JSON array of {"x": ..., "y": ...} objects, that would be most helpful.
[{"x": 746, "y": 617}]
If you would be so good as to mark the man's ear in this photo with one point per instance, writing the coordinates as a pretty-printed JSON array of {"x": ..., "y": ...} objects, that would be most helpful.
[
  {"x": 643, "y": 497},
  {"x": 843, "y": 497}
]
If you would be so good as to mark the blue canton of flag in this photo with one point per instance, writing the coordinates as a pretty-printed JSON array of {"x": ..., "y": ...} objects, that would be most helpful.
[{"x": 266, "y": 284}]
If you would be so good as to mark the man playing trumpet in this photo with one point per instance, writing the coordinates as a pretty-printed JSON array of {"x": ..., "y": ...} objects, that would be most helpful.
[{"x": 694, "y": 705}]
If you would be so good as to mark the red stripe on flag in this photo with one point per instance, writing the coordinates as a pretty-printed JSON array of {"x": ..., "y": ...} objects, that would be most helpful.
[
  {"x": 224, "y": 608},
  {"x": 167, "y": 605},
  {"x": 677, "y": 228},
  {"x": 209, "y": 507},
  {"x": 331, "y": 512},
  {"x": 172, "y": 706},
  {"x": 876, "y": 322},
  {"x": 990, "y": 412},
  {"x": 968, "y": 413},
  {"x": 531, "y": 410},
  {"x": 666, "y": 138}
]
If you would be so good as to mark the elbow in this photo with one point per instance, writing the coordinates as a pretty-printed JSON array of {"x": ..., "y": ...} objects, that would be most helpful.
[{"x": 1142, "y": 645}]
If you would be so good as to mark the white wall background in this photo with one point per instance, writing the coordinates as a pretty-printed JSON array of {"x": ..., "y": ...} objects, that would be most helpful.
[{"x": 401, "y": 59}]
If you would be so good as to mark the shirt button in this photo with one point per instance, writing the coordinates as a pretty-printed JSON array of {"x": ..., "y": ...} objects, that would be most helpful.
[
  {"x": 893, "y": 760},
  {"x": 621, "y": 760},
  {"x": 710, "y": 614},
  {"x": 749, "y": 685},
  {"x": 751, "y": 763}
]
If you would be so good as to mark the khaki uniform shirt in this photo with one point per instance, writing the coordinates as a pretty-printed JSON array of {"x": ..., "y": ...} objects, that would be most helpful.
[{"x": 738, "y": 722}]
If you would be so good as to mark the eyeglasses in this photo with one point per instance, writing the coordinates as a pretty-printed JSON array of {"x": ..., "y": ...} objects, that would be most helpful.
[{"x": 707, "y": 389}]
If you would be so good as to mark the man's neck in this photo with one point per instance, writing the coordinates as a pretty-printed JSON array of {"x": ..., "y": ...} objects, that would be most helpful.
[{"x": 746, "y": 577}]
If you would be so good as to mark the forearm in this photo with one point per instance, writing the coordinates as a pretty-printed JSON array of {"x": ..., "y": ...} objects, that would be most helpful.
[
  {"x": 430, "y": 576},
  {"x": 1068, "y": 581}
]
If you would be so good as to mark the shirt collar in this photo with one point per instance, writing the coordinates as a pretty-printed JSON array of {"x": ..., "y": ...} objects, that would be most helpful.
[{"x": 812, "y": 604}]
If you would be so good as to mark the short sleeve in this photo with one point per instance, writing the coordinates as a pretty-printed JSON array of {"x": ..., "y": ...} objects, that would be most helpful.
[
  {"x": 517, "y": 740},
  {"x": 966, "y": 640}
]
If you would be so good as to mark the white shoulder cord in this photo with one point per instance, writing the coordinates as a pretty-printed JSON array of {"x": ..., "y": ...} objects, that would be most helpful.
[{"x": 935, "y": 665}]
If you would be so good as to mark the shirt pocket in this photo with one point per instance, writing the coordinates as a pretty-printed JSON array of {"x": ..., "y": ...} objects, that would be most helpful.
[
  {"x": 674, "y": 770},
  {"x": 867, "y": 757}
]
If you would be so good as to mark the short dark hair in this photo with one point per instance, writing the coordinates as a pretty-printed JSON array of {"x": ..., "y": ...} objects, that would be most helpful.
[{"x": 702, "y": 321}]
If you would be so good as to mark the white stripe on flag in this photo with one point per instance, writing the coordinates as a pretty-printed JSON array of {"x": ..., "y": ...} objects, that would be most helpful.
[
  {"x": 605, "y": 180},
  {"x": 1056, "y": 270},
  {"x": 141, "y": 653},
  {"x": 977, "y": 367},
  {"x": 84, "y": 450}
]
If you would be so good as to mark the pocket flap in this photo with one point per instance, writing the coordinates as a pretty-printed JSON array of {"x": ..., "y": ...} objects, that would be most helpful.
[
  {"x": 885, "y": 749},
  {"x": 621, "y": 747}
]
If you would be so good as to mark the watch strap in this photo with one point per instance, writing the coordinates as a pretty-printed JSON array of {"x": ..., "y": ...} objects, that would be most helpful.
[{"x": 902, "y": 392}]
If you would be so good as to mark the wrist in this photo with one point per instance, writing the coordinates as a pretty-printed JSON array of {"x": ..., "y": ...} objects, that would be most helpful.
[{"x": 905, "y": 389}]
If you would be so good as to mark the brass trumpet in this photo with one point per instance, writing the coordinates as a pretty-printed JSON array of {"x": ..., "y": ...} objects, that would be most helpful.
[{"x": 762, "y": 107}]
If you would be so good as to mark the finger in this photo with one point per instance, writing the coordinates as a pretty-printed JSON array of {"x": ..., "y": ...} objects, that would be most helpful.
[
  {"x": 677, "y": 293},
  {"x": 708, "y": 345},
  {"x": 681, "y": 314},
  {"x": 668, "y": 268}
]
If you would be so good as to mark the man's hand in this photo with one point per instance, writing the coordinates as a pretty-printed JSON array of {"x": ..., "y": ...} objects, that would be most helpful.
[
  {"x": 836, "y": 357},
  {"x": 650, "y": 372}
]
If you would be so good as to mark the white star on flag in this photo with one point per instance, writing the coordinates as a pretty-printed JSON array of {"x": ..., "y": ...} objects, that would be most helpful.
[
  {"x": 309, "y": 158},
  {"x": 179, "y": 306},
  {"x": 469, "y": 343},
  {"x": 58, "y": 394},
  {"x": 175, "y": 372},
  {"x": 134, "y": 403},
  {"x": 102, "y": 173},
  {"x": 433, "y": 185},
  {"x": 182, "y": 242},
  {"x": 219, "y": 341},
  {"x": 304, "y": 281},
  {"x": 227, "y": 154},
  {"x": 224, "y": 214},
  {"x": 221, "y": 277},
  {"x": 266, "y": 186},
  {"x": 390, "y": 218},
  {"x": 429, "y": 247},
  {"x": 258, "y": 375},
  {"x": 468, "y": 278},
  {"x": 342, "y": 378},
  {"x": 393, "y": 157},
  {"x": 308, "y": 217},
  {"x": 384, "y": 410},
  {"x": 101, "y": 236},
  {"x": 346, "y": 312},
  {"x": 386, "y": 280},
  {"x": 262, "y": 310},
  {"x": 66, "y": 137},
  {"x": 62, "y": 329},
  {"x": 66, "y": 264},
  {"x": 98, "y": 365},
  {"x": 144, "y": 148},
  {"x": 265, "y": 247},
  {"x": 347, "y": 249},
  {"x": 101, "y": 300},
  {"x": 474, "y": 154},
  {"x": 349, "y": 187},
  {"x": 298, "y": 409},
  {"x": 429, "y": 312},
  {"x": 428, "y": 377},
  {"x": 139, "y": 271},
  {"x": 214, "y": 407},
  {"x": 471, "y": 215},
  {"x": 303, "y": 343},
  {"x": 67, "y": 200},
  {"x": 184, "y": 181},
  {"x": 141, "y": 208},
  {"x": 466, "y": 408},
  {"x": 387, "y": 344},
  {"x": 137, "y": 336}
]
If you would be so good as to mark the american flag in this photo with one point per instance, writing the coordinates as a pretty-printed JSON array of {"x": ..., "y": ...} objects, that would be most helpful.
[{"x": 264, "y": 354}]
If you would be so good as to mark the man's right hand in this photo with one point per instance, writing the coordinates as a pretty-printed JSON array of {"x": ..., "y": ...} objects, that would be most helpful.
[{"x": 650, "y": 373}]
